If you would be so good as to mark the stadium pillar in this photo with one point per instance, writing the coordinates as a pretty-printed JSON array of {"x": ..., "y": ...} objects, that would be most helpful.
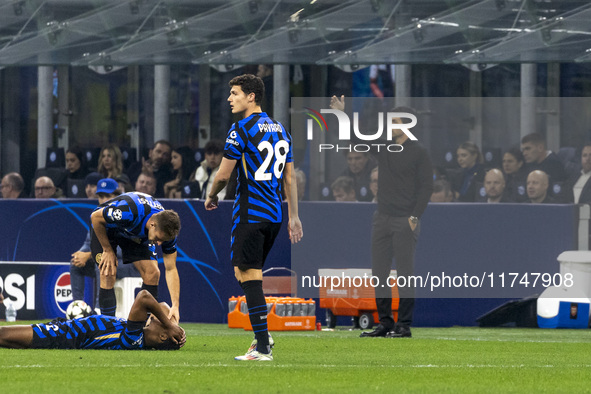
[
  {"x": 161, "y": 107},
  {"x": 45, "y": 112},
  {"x": 403, "y": 84},
  {"x": 529, "y": 76},
  {"x": 281, "y": 93}
]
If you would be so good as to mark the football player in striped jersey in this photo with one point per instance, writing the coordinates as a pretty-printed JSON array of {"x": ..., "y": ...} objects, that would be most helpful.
[
  {"x": 261, "y": 149},
  {"x": 138, "y": 332}
]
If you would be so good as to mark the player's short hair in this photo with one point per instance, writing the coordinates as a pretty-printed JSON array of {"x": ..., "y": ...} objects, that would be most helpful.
[
  {"x": 168, "y": 344},
  {"x": 250, "y": 84},
  {"x": 534, "y": 138},
  {"x": 169, "y": 222}
]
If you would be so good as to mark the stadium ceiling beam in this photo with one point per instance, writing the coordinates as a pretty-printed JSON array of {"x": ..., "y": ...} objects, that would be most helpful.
[
  {"x": 304, "y": 36},
  {"x": 566, "y": 37},
  {"x": 436, "y": 37},
  {"x": 61, "y": 35},
  {"x": 183, "y": 38}
]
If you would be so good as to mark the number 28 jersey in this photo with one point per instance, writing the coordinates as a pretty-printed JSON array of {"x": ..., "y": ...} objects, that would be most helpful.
[{"x": 262, "y": 147}]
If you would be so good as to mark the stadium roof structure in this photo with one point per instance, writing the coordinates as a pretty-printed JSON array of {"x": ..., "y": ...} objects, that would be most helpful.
[{"x": 346, "y": 33}]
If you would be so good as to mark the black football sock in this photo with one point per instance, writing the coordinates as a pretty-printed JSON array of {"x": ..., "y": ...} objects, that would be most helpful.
[
  {"x": 257, "y": 312},
  {"x": 152, "y": 289},
  {"x": 107, "y": 301}
]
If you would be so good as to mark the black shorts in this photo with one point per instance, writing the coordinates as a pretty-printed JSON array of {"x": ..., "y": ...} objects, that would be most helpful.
[
  {"x": 53, "y": 335},
  {"x": 131, "y": 250},
  {"x": 251, "y": 243}
]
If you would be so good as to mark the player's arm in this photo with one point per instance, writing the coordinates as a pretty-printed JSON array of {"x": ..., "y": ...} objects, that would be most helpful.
[
  {"x": 220, "y": 181},
  {"x": 145, "y": 303},
  {"x": 173, "y": 283},
  {"x": 291, "y": 192},
  {"x": 108, "y": 263}
]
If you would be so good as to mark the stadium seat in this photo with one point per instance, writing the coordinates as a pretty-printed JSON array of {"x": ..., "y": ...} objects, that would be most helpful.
[
  {"x": 129, "y": 156},
  {"x": 76, "y": 188},
  {"x": 480, "y": 193},
  {"x": 56, "y": 157},
  {"x": 125, "y": 290},
  {"x": 92, "y": 157},
  {"x": 190, "y": 189},
  {"x": 492, "y": 157},
  {"x": 199, "y": 155},
  {"x": 445, "y": 158}
]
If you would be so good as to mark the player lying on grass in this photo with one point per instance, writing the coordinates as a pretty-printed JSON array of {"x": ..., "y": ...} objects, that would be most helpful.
[{"x": 101, "y": 331}]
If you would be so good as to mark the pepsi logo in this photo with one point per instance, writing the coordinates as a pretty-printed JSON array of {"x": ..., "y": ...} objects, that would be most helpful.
[{"x": 63, "y": 291}]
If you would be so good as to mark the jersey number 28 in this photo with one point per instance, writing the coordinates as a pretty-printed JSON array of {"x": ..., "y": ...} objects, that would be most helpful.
[{"x": 280, "y": 153}]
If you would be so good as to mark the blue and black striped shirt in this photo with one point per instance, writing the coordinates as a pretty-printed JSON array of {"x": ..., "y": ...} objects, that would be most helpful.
[{"x": 262, "y": 147}]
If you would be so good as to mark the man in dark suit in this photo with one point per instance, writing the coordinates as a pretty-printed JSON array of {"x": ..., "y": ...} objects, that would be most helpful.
[
  {"x": 537, "y": 157},
  {"x": 580, "y": 185}
]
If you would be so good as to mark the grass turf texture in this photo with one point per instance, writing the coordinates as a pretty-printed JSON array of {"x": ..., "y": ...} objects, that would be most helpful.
[{"x": 434, "y": 360}]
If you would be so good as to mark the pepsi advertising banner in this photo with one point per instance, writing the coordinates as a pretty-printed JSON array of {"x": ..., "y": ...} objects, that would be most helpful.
[{"x": 37, "y": 291}]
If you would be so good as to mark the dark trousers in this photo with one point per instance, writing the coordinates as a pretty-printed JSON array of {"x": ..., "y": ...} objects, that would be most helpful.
[{"x": 392, "y": 238}]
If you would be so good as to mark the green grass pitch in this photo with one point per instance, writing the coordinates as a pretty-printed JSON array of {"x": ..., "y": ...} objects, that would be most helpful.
[{"x": 465, "y": 359}]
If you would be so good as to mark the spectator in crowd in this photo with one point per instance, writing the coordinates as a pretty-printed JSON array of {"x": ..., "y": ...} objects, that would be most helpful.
[
  {"x": 158, "y": 163},
  {"x": 441, "y": 191},
  {"x": 515, "y": 174},
  {"x": 76, "y": 163},
  {"x": 183, "y": 166},
  {"x": 359, "y": 166},
  {"x": 373, "y": 184},
  {"x": 537, "y": 157},
  {"x": 110, "y": 162},
  {"x": 343, "y": 189},
  {"x": 208, "y": 168},
  {"x": 494, "y": 185},
  {"x": 81, "y": 265},
  {"x": 124, "y": 183},
  {"x": 537, "y": 188},
  {"x": 146, "y": 183},
  {"x": 91, "y": 182},
  {"x": 381, "y": 80},
  {"x": 44, "y": 188},
  {"x": 12, "y": 185},
  {"x": 301, "y": 183},
  {"x": 472, "y": 171},
  {"x": 579, "y": 186}
]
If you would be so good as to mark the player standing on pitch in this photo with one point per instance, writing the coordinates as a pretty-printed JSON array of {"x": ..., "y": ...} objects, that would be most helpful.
[
  {"x": 262, "y": 147},
  {"x": 135, "y": 222}
]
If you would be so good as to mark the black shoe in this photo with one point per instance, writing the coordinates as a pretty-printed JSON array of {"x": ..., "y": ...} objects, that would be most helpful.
[
  {"x": 380, "y": 331},
  {"x": 399, "y": 332}
]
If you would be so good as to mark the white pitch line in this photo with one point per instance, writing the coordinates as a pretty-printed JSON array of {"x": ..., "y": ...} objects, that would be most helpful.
[{"x": 272, "y": 365}]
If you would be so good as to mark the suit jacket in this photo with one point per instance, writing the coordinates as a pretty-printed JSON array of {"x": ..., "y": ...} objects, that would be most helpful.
[{"x": 585, "y": 197}]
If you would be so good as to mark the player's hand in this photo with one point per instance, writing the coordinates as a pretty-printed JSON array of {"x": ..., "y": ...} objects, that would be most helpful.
[
  {"x": 108, "y": 263},
  {"x": 174, "y": 315},
  {"x": 79, "y": 258},
  {"x": 211, "y": 203},
  {"x": 296, "y": 232},
  {"x": 177, "y": 334},
  {"x": 336, "y": 103}
]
